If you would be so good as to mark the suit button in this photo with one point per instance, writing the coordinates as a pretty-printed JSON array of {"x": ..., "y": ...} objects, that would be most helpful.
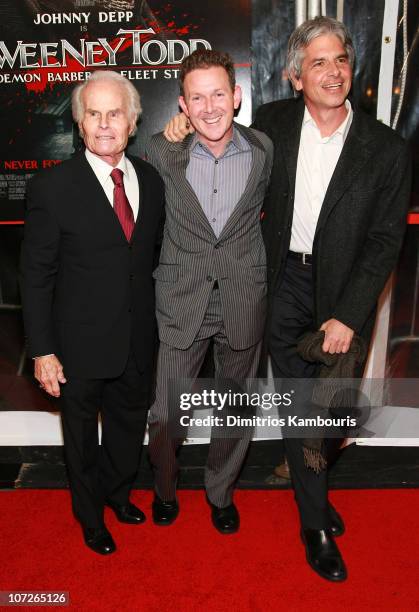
[
  {"x": 131, "y": 276},
  {"x": 285, "y": 194},
  {"x": 271, "y": 270},
  {"x": 130, "y": 247},
  {"x": 216, "y": 246},
  {"x": 209, "y": 279},
  {"x": 129, "y": 309}
]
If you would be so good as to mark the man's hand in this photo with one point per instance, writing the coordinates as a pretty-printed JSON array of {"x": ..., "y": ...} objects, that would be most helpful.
[
  {"x": 49, "y": 373},
  {"x": 337, "y": 337},
  {"x": 178, "y": 128}
]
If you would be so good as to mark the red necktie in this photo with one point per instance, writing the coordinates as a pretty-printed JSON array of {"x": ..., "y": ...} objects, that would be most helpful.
[{"x": 121, "y": 205}]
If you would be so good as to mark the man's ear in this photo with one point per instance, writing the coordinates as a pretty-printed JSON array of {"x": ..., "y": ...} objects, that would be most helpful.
[
  {"x": 183, "y": 106},
  {"x": 132, "y": 127},
  {"x": 296, "y": 82},
  {"x": 237, "y": 96}
]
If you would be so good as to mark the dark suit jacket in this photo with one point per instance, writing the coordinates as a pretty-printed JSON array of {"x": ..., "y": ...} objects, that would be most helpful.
[
  {"x": 88, "y": 294},
  {"x": 362, "y": 220}
]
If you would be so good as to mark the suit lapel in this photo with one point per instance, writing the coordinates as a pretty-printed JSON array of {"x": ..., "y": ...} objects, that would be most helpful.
[
  {"x": 94, "y": 194},
  {"x": 258, "y": 162},
  {"x": 88, "y": 182},
  {"x": 289, "y": 139},
  {"x": 177, "y": 163},
  {"x": 142, "y": 197},
  {"x": 356, "y": 152}
]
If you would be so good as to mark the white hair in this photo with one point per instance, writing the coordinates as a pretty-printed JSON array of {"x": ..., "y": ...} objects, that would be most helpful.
[{"x": 133, "y": 97}]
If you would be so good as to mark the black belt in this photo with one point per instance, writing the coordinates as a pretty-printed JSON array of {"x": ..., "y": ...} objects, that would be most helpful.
[{"x": 303, "y": 258}]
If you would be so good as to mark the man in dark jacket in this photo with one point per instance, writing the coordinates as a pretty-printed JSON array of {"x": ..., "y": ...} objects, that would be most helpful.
[
  {"x": 333, "y": 226},
  {"x": 91, "y": 231}
]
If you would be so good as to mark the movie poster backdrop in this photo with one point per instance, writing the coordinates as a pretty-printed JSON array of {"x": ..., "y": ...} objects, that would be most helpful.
[{"x": 47, "y": 47}]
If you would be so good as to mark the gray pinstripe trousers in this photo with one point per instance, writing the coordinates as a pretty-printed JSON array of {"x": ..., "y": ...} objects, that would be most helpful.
[{"x": 226, "y": 455}]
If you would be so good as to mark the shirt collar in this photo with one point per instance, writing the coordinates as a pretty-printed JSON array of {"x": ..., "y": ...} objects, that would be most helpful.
[
  {"x": 235, "y": 142},
  {"x": 342, "y": 130},
  {"x": 102, "y": 169}
]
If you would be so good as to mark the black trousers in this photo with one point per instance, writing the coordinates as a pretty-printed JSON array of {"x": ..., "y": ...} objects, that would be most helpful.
[
  {"x": 107, "y": 471},
  {"x": 291, "y": 317}
]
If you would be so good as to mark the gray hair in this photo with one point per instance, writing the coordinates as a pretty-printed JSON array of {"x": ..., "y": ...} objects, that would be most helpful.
[
  {"x": 133, "y": 97},
  {"x": 306, "y": 32}
]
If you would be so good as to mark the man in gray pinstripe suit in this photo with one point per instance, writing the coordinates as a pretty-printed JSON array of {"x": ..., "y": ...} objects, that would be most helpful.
[{"x": 211, "y": 280}]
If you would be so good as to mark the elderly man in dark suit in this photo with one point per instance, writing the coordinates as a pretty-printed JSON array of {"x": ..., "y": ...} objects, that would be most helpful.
[
  {"x": 92, "y": 230},
  {"x": 211, "y": 280},
  {"x": 333, "y": 226}
]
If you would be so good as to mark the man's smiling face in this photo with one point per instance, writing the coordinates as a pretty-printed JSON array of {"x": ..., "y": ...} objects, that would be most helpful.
[
  {"x": 106, "y": 124},
  {"x": 210, "y": 102},
  {"x": 326, "y": 75}
]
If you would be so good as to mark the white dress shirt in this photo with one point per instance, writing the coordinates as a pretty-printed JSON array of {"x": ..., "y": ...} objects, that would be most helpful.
[
  {"x": 103, "y": 171},
  {"x": 317, "y": 159}
]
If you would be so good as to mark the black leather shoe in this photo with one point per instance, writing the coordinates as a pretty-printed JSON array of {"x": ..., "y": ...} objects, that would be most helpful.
[
  {"x": 225, "y": 520},
  {"x": 99, "y": 540},
  {"x": 323, "y": 555},
  {"x": 128, "y": 513},
  {"x": 337, "y": 526},
  {"x": 164, "y": 512}
]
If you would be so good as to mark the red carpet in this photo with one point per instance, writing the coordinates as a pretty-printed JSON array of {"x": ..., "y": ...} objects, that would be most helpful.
[{"x": 189, "y": 566}]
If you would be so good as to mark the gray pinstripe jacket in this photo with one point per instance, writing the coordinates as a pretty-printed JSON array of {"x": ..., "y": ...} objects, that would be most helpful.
[{"x": 192, "y": 257}]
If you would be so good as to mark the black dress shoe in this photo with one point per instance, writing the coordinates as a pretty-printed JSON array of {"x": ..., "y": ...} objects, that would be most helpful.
[
  {"x": 128, "y": 513},
  {"x": 99, "y": 540},
  {"x": 164, "y": 512},
  {"x": 323, "y": 555},
  {"x": 225, "y": 520},
  {"x": 337, "y": 526}
]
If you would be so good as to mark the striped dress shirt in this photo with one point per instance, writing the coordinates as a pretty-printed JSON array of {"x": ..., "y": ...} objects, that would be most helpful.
[{"x": 219, "y": 182}]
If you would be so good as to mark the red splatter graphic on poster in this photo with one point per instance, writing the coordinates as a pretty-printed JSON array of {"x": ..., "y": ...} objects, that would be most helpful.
[{"x": 48, "y": 47}]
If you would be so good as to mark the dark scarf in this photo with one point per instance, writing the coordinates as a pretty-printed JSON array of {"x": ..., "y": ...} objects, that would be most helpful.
[{"x": 328, "y": 395}]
